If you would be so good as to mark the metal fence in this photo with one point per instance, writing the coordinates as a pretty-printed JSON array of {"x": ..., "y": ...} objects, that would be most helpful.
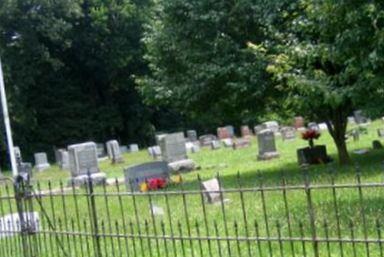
[{"x": 289, "y": 219}]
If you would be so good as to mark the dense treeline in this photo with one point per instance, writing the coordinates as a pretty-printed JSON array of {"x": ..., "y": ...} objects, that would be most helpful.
[{"x": 79, "y": 70}]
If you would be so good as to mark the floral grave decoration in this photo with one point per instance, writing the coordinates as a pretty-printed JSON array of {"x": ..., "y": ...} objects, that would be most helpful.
[{"x": 310, "y": 135}]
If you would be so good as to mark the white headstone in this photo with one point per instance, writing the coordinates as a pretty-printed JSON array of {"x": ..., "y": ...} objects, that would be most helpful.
[
  {"x": 10, "y": 225},
  {"x": 155, "y": 152},
  {"x": 212, "y": 190},
  {"x": 133, "y": 148}
]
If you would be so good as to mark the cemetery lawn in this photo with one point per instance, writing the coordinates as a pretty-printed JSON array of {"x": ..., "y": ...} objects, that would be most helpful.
[{"x": 187, "y": 209}]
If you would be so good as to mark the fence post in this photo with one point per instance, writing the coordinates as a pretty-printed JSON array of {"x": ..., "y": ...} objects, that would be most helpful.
[
  {"x": 22, "y": 195},
  {"x": 311, "y": 212},
  {"x": 93, "y": 215}
]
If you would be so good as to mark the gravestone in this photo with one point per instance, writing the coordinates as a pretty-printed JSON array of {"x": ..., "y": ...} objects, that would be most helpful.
[
  {"x": 215, "y": 144},
  {"x": 173, "y": 151},
  {"x": 191, "y": 135},
  {"x": 231, "y": 130},
  {"x": 359, "y": 117},
  {"x": 10, "y": 224},
  {"x": 323, "y": 126},
  {"x": 211, "y": 190},
  {"x": 288, "y": 133},
  {"x": 63, "y": 159},
  {"x": 227, "y": 142},
  {"x": 206, "y": 140},
  {"x": 138, "y": 174},
  {"x": 83, "y": 162},
  {"x": 133, "y": 148},
  {"x": 100, "y": 150},
  {"x": 41, "y": 161},
  {"x": 267, "y": 145},
  {"x": 158, "y": 137},
  {"x": 223, "y": 133},
  {"x": 351, "y": 120},
  {"x": 271, "y": 125},
  {"x": 192, "y": 147},
  {"x": 24, "y": 168},
  {"x": 114, "y": 153},
  {"x": 245, "y": 131},
  {"x": 380, "y": 132},
  {"x": 298, "y": 122},
  {"x": 123, "y": 149},
  {"x": 155, "y": 152},
  {"x": 376, "y": 144},
  {"x": 258, "y": 128},
  {"x": 241, "y": 143},
  {"x": 17, "y": 152},
  {"x": 313, "y": 126}
]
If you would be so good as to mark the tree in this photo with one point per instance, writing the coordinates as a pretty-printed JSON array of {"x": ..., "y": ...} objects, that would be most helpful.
[
  {"x": 329, "y": 61},
  {"x": 200, "y": 63}
]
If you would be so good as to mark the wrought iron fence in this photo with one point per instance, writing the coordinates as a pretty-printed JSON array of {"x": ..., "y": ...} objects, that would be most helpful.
[{"x": 300, "y": 219}]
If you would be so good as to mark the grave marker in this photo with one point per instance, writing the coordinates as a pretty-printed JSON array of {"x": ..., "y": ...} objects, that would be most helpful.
[
  {"x": 288, "y": 133},
  {"x": 245, "y": 131},
  {"x": 133, "y": 148},
  {"x": 41, "y": 161},
  {"x": 155, "y": 152},
  {"x": 114, "y": 153},
  {"x": 192, "y": 135},
  {"x": 212, "y": 191},
  {"x": 206, "y": 140},
  {"x": 267, "y": 145},
  {"x": 138, "y": 174}
]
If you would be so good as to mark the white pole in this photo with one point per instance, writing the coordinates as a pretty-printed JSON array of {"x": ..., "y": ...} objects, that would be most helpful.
[{"x": 7, "y": 123}]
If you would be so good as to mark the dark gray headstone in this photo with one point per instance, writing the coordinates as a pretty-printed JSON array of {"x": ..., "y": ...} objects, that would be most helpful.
[
  {"x": 138, "y": 174},
  {"x": 173, "y": 147},
  {"x": 267, "y": 145}
]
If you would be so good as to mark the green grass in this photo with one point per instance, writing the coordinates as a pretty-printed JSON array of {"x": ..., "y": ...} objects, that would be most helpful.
[{"x": 71, "y": 213}]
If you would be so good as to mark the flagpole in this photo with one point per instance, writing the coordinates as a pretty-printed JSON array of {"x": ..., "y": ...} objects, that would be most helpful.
[{"x": 7, "y": 124}]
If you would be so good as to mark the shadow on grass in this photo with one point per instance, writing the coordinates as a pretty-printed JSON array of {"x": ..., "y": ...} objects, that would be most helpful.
[{"x": 370, "y": 166}]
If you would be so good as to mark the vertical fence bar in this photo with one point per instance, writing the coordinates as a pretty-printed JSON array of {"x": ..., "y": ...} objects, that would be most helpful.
[
  {"x": 311, "y": 212},
  {"x": 287, "y": 214},
  {"x": 337, "y": 213},
  {"x": 361, "y": 200},
  {"x": 264, "y": 208},
  {"x": 93, "y": 216},
  {"x": 205, "y": 217},
  {"x": 378, "y": 230},
  {"x": 245, "y": 219}
]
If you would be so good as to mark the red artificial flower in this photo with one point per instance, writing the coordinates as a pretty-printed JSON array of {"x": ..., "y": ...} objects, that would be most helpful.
[
  {"x": 156, "y": 183},
  {"x": 310, "y": 134}
]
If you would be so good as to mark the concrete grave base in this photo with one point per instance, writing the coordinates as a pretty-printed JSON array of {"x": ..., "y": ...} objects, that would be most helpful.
[
  {"x": 42, "y": 167},
  {"x": 268, "y": 156},
  {"x": 96, "y": 178},
  {"x": 182, "y": 166}
]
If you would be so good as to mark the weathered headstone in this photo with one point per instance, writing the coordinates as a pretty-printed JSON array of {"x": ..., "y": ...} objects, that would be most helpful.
[
  {"x": 313, "y": 126},
  {"x": 258, "y": 128},
  {"x": 191, "y": 135},
  {"x": 206, "y": 140},
  {"x": 298, "y": 122},
  {"x": 241, "y": 143},
  {"x": 227, "y": 142},
  {"x": 288, "y": 133},
  {"x": 231, "y": 130},
  {"x": 223, "y": 133},
  {"x": 17, "y": 152},
  {"x": 10, "y": 224},
  {"x": 359, "y": 117},
  {"x": 113, "y": 149},
  {"x": 24, "y": 168},
  {"x": 41, "y": 161},
  {"x": 272, "y": 125},
  {"x": 211, "y": 189},
  {"x": 155, "y": 152},
  {"x": 133, "y": 148},
  {"x": 323, "y": 126},
  {"x": 100, "y": 150},
  {"x": 380, "y": 132},
  {"x": 138, "y": 174},
  {"x": 83, "y": 162},
  {"x": 245, "y": 131},
  {"x": 376, "y": 144},
  {"x": 63, "y": 159},
  {"x": 173, "y": 151},
  {"x": 158, "y": 137},
  {"x": 192, "y": 147},
  {"x": 267, "y": 145},
  {"x": 215, "y": 144},
  {"x": 123, "y": 149}
]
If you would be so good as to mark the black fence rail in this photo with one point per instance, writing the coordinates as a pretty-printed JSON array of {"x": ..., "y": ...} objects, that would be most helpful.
[{"x": 305, "y": 219}]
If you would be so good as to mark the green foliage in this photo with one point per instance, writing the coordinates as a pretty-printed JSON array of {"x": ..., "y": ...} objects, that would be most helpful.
[{"x": 200, "y": 62}]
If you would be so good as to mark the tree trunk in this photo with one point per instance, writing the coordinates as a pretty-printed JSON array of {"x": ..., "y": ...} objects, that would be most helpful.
[{"x": 337, "y": 127}]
